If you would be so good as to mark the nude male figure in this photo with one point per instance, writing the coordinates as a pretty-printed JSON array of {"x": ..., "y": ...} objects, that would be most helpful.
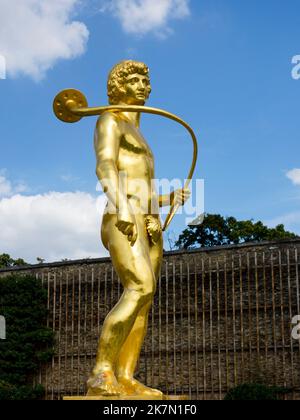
[{"x": 131, "y": 231}]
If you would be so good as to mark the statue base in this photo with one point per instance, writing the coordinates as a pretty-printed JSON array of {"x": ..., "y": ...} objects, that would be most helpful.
[{"x": 128, "y": 398}]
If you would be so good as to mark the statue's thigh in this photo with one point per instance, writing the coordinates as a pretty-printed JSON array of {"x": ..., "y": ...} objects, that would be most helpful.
[{"x": 132, "y": 263}]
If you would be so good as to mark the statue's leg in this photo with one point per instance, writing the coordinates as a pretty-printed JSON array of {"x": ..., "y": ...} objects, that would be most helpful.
[
  {"x": 131, "y": 349},
  {"x": 133, "y": 266}
]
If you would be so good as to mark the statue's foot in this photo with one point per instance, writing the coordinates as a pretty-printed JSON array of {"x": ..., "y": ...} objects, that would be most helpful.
[
  {"x": 133, "y": 387},
  {"x": 104, "y": 384}
]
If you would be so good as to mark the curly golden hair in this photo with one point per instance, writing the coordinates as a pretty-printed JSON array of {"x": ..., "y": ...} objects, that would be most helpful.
[{"x": 117, "y": 78}]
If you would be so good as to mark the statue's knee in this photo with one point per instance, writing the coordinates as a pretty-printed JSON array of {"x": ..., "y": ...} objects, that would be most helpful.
[
  {"x": 146, "y": 294},
  {"x": 141, "y": 286}
]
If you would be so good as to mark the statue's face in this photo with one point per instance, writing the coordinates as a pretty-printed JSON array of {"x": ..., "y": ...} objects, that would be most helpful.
[{"x": 137, "y": 89}]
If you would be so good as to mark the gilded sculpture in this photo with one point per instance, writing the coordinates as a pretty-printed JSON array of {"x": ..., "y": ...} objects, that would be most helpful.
[{"x": 131, "y": 226}]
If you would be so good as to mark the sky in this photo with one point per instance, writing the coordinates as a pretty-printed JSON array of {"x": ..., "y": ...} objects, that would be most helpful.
[{"x": 230, "y": 68}]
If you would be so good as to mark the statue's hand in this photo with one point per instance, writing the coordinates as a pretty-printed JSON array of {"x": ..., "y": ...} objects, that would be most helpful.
[
  {"x": 127, "y": 225},
  {"x": 181, "y": 196}
]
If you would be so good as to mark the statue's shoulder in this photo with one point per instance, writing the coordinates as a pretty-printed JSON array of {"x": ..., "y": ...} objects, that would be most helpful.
[
  {"x": 108, "y": 126},
  {"x": 109, "y": 117},
  {"x": 109, "y": 122}
]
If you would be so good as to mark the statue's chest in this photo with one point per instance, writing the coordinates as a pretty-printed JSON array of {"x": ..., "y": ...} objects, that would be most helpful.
[{"x": 135, "y": 144}]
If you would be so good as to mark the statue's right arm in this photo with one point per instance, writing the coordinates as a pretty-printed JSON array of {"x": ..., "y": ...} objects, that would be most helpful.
[{"x": 107, "y": 144}]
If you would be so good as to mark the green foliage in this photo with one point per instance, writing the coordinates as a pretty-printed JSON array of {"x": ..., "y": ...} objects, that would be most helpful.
[
  {"x": 11, "y": 392},
  {"x": 29, "y": 343},
  {"x": 255, "y": 392},
  {"x": 217, "y": 230},
  {"x": 7, "y": 261}
]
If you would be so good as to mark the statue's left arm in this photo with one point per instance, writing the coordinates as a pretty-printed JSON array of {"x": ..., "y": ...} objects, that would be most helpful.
[{"x": 176, "y": 197}]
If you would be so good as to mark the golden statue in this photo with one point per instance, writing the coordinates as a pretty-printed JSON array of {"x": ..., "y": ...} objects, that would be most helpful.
[{"x": 131, "y": 228}]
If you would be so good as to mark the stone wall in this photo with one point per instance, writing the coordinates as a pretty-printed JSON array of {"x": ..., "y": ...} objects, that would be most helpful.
[{"x": 222, "y": 317}]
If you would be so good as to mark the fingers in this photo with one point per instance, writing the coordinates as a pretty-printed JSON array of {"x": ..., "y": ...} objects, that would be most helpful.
[
  {"x": 186, "y": 193},
  {"x": 124, "y": 227},
  {"x": 181, "y": 196},
  {"x": 133, "y": 237},
  {"x": 129, "y": 230},
  {"x": 121, "y": 226}
]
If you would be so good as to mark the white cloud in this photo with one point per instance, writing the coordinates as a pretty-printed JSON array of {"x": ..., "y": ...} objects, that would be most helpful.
[
  {"x": 294, "y": 176},
  {"x": 7, "y": 189},
  {"x": 52, "y": 226},
  {"x": 143, "y": 16},
  {"x": 34, "y": 34},
  {"x": 69, "y": 178},
  {"x": 291, "y": 222}
]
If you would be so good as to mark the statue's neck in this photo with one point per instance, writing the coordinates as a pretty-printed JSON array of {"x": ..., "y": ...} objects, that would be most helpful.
[{"x": 133, "y": 117}]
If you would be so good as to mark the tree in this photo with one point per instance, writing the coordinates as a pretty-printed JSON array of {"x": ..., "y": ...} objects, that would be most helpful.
[
  {"x": 7, "y": 261},
  {"x": 29, "y": 342},
  {"x": 217, "y": 230}
]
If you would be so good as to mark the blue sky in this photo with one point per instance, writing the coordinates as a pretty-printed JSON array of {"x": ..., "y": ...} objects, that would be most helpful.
[{"x": 225, "y": 66}]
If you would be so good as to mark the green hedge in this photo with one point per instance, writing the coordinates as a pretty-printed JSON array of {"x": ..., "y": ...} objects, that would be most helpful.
[
  {"x": 256, "y": 392},
  {"x": 23, "y": 303}
]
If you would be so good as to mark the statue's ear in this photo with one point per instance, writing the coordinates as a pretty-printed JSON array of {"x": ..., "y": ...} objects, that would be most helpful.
[{"x": 122, "y": 90}]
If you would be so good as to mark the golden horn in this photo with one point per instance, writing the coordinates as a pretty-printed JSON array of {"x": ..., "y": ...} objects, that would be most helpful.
[{"x": 70, "y": 106}]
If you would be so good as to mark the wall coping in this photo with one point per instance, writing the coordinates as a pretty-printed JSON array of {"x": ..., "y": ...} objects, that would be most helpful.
[{"x": 90, "y": 261}]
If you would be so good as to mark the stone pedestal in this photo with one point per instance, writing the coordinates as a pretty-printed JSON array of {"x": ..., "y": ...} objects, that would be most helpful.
[{"x": 129, "y": 398}]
